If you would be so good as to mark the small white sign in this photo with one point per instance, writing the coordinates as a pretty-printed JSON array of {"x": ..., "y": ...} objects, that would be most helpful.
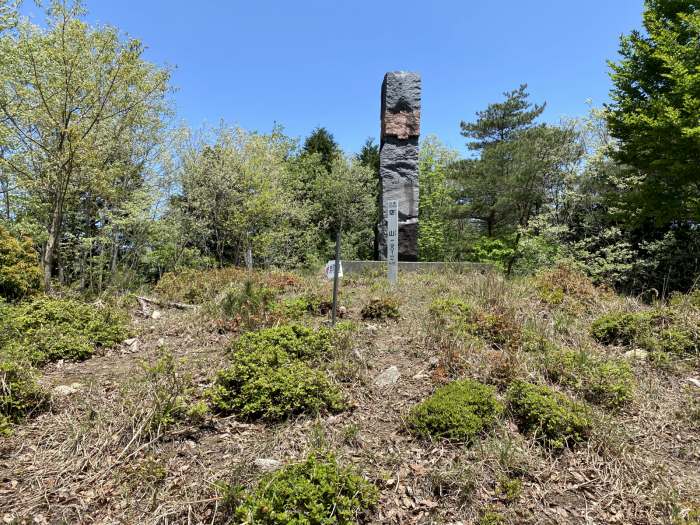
[
  {"x": 330, "y": 269},
  {"x": 392, "y": 240}
]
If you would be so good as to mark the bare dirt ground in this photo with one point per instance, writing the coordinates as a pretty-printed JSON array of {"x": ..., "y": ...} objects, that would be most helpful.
[{"x": 93, "y": 458}]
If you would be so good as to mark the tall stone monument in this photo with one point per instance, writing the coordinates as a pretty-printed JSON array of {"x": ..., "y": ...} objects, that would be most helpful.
[{"x": 398, "y": 159}]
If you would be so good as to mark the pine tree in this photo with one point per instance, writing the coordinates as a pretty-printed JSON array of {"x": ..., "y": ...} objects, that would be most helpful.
[{"x": 321, "y": 142}]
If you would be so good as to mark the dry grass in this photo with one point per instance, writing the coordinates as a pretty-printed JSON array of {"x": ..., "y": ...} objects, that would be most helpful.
[{"x": 106, "y": 455}]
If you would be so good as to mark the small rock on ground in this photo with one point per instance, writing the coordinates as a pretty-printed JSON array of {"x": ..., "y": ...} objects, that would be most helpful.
[
  {"x": 389, "y": 377},
  {"x": 268, "y": 464},
  {"x": 637, "y": 354},
  {"x": 66, "y": 390}
]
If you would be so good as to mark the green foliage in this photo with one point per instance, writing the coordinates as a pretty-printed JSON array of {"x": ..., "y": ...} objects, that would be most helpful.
[
  {"x": 497, "y": 251},
  {"x": 315, "y": 492},
  {"x": 655, "y": 103},
  {"x": 381, "y": 308},
  {"x": 270, "y": 379},
  {"x": 321, "y": 142},
  {"x": 20, "y": 274},
  {"x": 20, "y": 396},
  {"x": 438, "y": 237},
  {"x": 48, "y": 329},
  {"x": 455, "y": 317},
  {"x": 82, "y": 113},
  {"x": 554, "y": 419},
  {"x": 298, "y": 341},
  {"x": 460, "y": 411},
  {"x": 659, "y": 330},
  {"x": 167, "y": 396},
  {"x": 566, "y": 285},
  {"x": 452, "y": 315},
  {"x": 247, "y": 305},
  {"x": 491, "y": 517},
  {"x": 607, "y": 382},
  {"x": 295, "y": 308},
  {"x": 509, "y": 489}
]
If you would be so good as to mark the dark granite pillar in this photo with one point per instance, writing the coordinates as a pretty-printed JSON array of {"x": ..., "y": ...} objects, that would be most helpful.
[{"x": 398, "y": 158}]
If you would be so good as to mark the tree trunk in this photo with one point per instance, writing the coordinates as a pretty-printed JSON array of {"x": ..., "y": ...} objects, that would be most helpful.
[{"x": 51, "y": 246}]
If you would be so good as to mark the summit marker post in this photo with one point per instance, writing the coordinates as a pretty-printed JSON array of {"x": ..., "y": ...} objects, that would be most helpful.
[{"x": 392, "y": 240}]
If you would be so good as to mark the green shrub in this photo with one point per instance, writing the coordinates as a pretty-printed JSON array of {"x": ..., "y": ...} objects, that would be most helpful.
[
  {"x": 607, "y": 382},
  {"x": 619, "y": 328},
  {"x": 296, "y": 307},
  {"x": 460, "y": 410},
  {"x": 554, "y": 419},
  {"x": 457, "y": 318},
  {"x": 567, "y": 286},
  {"x": 659, "y": 330},
  {"x": 20, "y": 396},
  {"x": 20, "y": 275},
  {"x": 274, "y": 393},
  {"x": 386, "y": 308},
  {"x": 49, "y": 329},
  {"x": 453, "y": 316},
  {"x": 198, "y": 287},
  {"x": 248, "y": 305},
  {"x": 315, "y": 492},
  {"x": 299, "y": 341},
  {"x": 269, "y": 378},
  {"x": 509, "y": 489}
]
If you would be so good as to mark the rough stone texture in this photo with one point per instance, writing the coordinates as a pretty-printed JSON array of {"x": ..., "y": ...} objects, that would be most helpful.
[
  {"x": 398, "y": 159},
  {"x": 389, "y": 377}
]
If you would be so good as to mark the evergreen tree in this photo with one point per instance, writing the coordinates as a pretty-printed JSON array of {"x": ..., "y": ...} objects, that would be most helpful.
[
  {"x": 321, "y": 142},
  {"x": 501, "y": 120},
  {"x": 654, "y": 113}
]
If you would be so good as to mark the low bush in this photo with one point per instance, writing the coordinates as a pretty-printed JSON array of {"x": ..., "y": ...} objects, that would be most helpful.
[
  {"x": 497, "y": 327},
  {"x": 658, "y": 330},
  {"x": 386, "y": 308},
  {"x": 161, "y": 397},
  {"x": 20, "y": 396},
  {"x": 460, "y": 411},
  {"x": 270, "y": 379},
  {"x": 565, "y": 285},
  {"x": 607, "y": 382},
  {"x": 20, "y": 275},
  {"x": 198, "y": 287},
  {"x": 247, "y": 305},
  {"x": 49, "y": 329},
  {"x": 554, "y": 419},
  {"x": 294, "y": 308},
  {"x": 296, "y": 340},
  {"x": 314, "y": 492}
]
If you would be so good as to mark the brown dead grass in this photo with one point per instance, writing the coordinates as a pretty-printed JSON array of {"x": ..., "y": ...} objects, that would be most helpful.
[{"x": 91, "y": 459}]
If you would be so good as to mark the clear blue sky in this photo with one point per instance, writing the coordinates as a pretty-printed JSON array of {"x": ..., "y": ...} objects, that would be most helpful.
[{"x": 308, "y": 63}]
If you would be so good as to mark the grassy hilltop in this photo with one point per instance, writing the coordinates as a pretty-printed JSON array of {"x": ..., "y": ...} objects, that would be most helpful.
[{"x": 533, "y": 400}]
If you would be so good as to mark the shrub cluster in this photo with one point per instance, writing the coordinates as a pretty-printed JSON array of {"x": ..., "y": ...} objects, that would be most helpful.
[
  {"x": 460, "y": 410},
  {"x": 386, "y": 308},
  {"x": 270, "y": 377},
  {"x": 317, "y": 491},
  {"x": 607, "y": 382},
  {"x": 20, "y": 275},
  {"x": 295, "y": 308},
  {"x": 20, "y": 396},
  {"x": 246, "y": 306},
  {"x": 565, "y": 285},
  {"x": 457, "y": 318},
  {"x": 198, "y": 287},
  {"x": 49, "y": 329},
  {"x": 658, "y": 330},
  {"x": 554, "y": 419}
]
